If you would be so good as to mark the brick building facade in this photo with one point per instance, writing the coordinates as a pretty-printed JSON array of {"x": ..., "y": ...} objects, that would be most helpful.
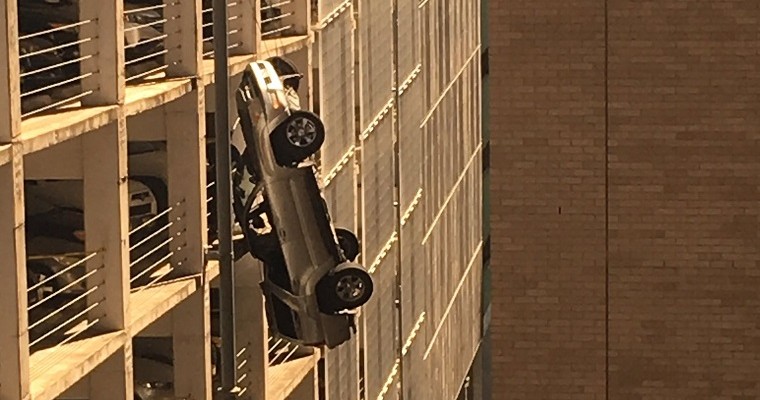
[{"x": 625, "y": 199}]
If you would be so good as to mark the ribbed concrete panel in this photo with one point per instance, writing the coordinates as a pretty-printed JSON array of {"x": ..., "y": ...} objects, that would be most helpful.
[
  {"x": 378, "y": 228},
  {"x": 411, "y": 165},
  {"x": 342, "y": 372},
  {"x": 408, "y": 50},
  {"x": 428, "y": 53},
  {"x": 336, "y": 64},
  {"x": 377, "y": 190},
  {"x": 436, "y": 361},
  {"x": 410, "y": 142},
  {"x": 340, "y": 193},
  {"x": 455, "y": 326},
  {"x": 380, "y": 325},
  {"x": 342, "y": 363},
  {"x": 375, "y": 57},
  {"x": 452, "y": 330},
  {"x": 416, "y": 289},
  {"x": 448, "y": 357},
  {"x": 414, "y": 281}
]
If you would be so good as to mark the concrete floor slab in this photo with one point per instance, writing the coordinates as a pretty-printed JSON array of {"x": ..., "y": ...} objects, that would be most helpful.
[
  {"x": 42, "y": 131},
  {"x": 5, "y": 154},
  {"x": 148, "y": 304},
  {"x": 155, "y": 93},
  {"x": 283, "y": 45},
  {"x": 237, "y": 65},
  {"x": 212, "y": 270},
  {"x": 54, "y": 370},
  {"x": 283, "y": 378}
]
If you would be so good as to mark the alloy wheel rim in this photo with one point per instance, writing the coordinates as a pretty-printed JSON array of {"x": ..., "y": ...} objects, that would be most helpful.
[
  {"x": 349, "y": 288},
  {"x": 301, "y": 132}
]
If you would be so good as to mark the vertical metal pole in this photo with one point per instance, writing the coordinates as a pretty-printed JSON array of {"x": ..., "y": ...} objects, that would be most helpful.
[
  {"x": 223, "y": 195},
  {"x": 398, "y": 286}
]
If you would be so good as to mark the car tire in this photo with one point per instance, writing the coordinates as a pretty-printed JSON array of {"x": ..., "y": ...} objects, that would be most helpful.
[
  {"x": 348, "y": 242},
  {"x": 298, "y": 138},
  {"x": 347, "y": 287}
]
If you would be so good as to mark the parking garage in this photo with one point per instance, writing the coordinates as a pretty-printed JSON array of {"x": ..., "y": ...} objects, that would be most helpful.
[{"x": 107, "y": 199}]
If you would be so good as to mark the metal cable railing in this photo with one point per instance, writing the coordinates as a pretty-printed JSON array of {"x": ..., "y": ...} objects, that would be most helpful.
[
  {"x": 274, "y": 21},
  {"x": 210, "y": 203},
  {"x": 281, "y": 351},
  {"x": 244, "y": 368},
  {"x": 211, "y": 207},
  {"x": 62, "y": 298},
  {"x": 234, "y": 26},
  {"x": 152, "y": 245},
  {"x": 145, "y": 40},
  {"x": 50, "y": 60}
]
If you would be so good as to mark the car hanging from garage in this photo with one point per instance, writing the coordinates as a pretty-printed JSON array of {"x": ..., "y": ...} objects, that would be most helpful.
[{"x": 312, "y": 286}]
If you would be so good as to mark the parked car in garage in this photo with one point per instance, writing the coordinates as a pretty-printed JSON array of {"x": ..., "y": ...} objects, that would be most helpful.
[
  {"x": 55, "y": 234},
  {"x": 58, "y": 22},
  {"x": 41, "y": 73},
  {"x": 56, "y": 258},
  {"x": 311, "y": 283}
]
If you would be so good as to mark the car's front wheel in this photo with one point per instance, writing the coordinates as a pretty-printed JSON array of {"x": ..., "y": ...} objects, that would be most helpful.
[
  {"x": 348, "y": 242},
  {"x": 349, "y": 286},
  {"x": 298, "y": 138}
]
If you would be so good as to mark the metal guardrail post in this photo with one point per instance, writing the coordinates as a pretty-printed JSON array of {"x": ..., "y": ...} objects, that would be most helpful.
[
  {"x": 14, "y": 336},
  {"x": 184, "y": 43},
  {"x": 106, "y": 221},
  {"x": 10, "y": 90},
  {"x": 223, "y": 196},
  {"x": 107, "y": 44}
]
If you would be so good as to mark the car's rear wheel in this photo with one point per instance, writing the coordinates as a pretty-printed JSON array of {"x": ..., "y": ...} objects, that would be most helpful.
[
  {"x": 349, "y": 286},
  {"x": 299, "y": 137},
  {"x": 348, "y": 242}
]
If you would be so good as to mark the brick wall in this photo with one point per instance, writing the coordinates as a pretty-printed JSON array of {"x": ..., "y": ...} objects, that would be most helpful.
[
  {"x": 625, "y": 232},
  {"x": 547, "y": 198}
]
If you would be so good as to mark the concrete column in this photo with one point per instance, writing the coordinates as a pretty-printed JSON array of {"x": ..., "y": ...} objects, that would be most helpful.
[
  {"x": 14, "y": 337},
  {"x": 257, "y": 26},
  {"x": 251, "y": 327},
  {"x": 191, "y": 336},
  {"x": 186, "y": 160},
  {"x": 106, "y": 32},
  {"x": 248, "y": 10},
  {"x": 113, "y": 379},
  {"x": 184, "y": 43},
  {"x": 106, "y": 222},
  {"x": 10, "y": 91}
]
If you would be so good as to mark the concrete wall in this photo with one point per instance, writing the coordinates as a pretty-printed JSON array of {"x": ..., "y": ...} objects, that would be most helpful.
[{"x": 624, "y": 187}]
